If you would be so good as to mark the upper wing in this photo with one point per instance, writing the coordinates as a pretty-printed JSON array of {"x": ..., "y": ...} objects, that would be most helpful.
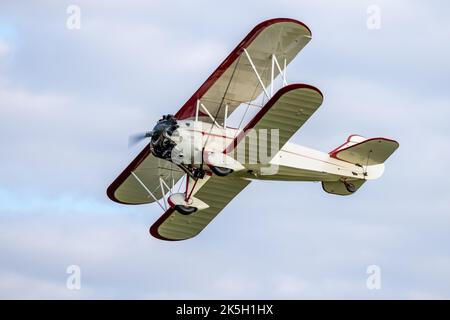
[
  {"x": 286, "y": 111},
  {"x": 127, "y": 189},
  {"x": 234, "y": 81},
  {"x": 217, "y": 192}
]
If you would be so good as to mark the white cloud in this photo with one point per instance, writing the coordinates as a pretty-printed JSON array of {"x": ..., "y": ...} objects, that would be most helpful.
[
  {"x": 4, "y": 48},
  {"x": 18, "y": 286},
  {"x": 68, "y": 100}
]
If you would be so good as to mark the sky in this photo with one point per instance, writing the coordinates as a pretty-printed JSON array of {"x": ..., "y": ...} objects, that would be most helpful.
[{"x": 69, "y": 99}]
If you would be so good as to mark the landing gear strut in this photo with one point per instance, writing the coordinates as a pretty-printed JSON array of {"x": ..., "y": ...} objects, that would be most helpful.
[{"x": 220, "y": 171}]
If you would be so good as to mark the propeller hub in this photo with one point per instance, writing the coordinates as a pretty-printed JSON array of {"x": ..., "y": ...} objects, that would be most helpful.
[{"x": 161, "y": 141}]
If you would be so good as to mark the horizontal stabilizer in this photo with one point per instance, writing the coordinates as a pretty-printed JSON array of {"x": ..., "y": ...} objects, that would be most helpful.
[{"x": 365, "y": 152}]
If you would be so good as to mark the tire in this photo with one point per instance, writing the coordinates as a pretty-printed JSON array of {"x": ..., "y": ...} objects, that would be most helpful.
[
  {"x": 185, "y": 210},
  {"x": 350, "y": 187},
  {"x": 221, "y": 172}
]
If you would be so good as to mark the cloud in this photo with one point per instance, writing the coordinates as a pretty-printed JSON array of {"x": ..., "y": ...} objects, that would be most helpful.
[
  {"x": 69, "y": 99},
  {"x": 4, "y": 49},
  {"x": 322, "y": 249},
  {"x": 18, "y": 286}
]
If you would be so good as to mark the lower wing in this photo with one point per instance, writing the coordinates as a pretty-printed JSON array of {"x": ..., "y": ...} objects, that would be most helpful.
[{"x": 217, "y": 192}]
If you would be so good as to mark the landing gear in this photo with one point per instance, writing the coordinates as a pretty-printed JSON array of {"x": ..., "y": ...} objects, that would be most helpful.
[
  {"x": 220, "y": 171},
  {"x": 185, "y": 210},
  {"x": 350, "y": 187},
  {"x": 198, "y": 173}
]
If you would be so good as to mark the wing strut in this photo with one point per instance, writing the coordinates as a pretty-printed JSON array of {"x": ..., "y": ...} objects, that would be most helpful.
[
  {"x": 146, "y": 189},
  {"x": 257, "y": 74},
  {"x": 163, "y": 186},
  {"x": 200, "y": 104}
]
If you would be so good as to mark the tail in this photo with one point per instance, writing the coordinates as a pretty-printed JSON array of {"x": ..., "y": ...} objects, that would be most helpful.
[{"x": 369, "y": 154}]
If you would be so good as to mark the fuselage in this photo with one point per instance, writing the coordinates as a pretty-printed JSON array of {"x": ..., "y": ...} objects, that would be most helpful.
[{"x": 291, "y": 162}]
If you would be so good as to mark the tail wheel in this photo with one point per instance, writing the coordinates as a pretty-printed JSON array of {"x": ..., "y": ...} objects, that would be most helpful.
[
  {"x": 350, "y": 187},
  {"x": 221, "y": 172},
  {"x": 185, "y": 210}
]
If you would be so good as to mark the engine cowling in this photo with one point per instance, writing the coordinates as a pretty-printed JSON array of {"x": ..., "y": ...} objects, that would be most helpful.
[
  {"x": 162, "y": 141},
  {"x": 182, "y": 142},
  {"x": 177, "y": 141}
]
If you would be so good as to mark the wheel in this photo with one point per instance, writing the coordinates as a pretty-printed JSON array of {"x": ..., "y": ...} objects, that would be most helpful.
[
  {"x": 221, "y": 172},
  {"x": 350, "y": 187},
  {"x": 185, "y": 210}
]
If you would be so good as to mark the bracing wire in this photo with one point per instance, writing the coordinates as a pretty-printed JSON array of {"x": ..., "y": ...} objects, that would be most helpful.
[
  {"x": 253, "y": 97},
  {"x": 218, "y": 109}
]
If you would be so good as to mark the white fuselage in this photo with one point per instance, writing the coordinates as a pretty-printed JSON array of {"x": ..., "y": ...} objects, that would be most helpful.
[{"x": 291, "y": 163}]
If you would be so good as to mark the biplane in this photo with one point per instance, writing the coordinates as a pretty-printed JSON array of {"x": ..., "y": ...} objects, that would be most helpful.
[{"x": 195, "y": 162}]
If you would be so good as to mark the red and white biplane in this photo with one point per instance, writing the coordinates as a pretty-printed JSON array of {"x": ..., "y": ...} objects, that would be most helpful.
[{"x": 210, "y": 162}]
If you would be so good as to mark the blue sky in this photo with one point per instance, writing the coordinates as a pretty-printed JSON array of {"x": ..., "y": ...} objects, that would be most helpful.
[{"x": 70, "y": 98}]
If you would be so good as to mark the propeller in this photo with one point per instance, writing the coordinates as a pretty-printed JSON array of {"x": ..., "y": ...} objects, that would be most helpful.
[{"x": 138, "y": 137}]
